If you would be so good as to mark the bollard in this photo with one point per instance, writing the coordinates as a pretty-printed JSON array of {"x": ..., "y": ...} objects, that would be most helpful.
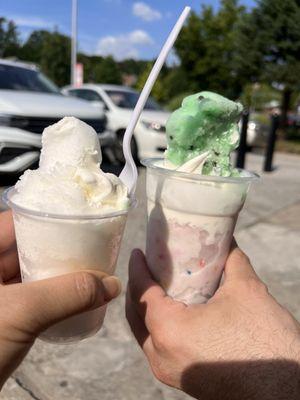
[
  {"x": 271, "y": 143},
  {"x": 242, "y": 149}
]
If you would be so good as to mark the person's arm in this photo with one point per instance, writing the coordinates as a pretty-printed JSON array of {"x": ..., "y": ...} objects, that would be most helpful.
[
  {"x": 29, "y": 308},
  {"x": 240, "y": 345}
]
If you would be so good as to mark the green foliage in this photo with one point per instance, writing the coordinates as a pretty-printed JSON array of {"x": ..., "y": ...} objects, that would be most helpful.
[
  {"x": 55, "y": 58},
  {"x": 9, "y": 38},
  {"x": 269, "y": 42},
  {"x": 256, "y": 96},
  {"x": 107, "y": 71},
  {"x": 133, "y": 67},
  {"x": 268, "y": 46},
  {"x": 32, "y": 48},
  {"x": 176, "y": 101},
  {"x": 158, "y": 91},
  {"x": 100, "y": 70},
  {"x": 206, "y": 49}
]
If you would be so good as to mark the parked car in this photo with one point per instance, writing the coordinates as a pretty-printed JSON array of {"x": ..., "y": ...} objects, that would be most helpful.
[
  {"x": 29, "y": 102},
  {"x": 149, "y": 138}
]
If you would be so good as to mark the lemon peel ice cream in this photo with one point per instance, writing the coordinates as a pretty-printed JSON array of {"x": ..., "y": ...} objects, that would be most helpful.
[
  {"x": 69, "y": 215},
  {"x": 69, "y": 179}
]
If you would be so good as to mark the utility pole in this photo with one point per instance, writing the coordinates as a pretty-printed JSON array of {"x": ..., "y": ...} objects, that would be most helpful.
[
  {"x": 242, "y": 149},
  {"x": 74, "y": 42}
]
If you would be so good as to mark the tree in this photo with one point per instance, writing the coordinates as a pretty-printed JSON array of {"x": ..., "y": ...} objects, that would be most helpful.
[
  {"x": 159, "y": 91},
  {"x": 132, "y": 67},
  {"x": 52, "y": 51},
  {"x": 9, "y": 38},
  {"x": 100, "y": 70},
  {"x": 108, "y": 71},
  {"x": 33, "y": 47},
  {"x": 206, "y": 49},
  {"x": 269, "y": 46}
]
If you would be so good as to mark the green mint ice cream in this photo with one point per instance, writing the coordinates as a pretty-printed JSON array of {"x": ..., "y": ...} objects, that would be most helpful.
[{"x": 205, "y": 122}]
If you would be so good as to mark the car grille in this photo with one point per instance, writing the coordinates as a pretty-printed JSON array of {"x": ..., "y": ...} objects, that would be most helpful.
[{"x": 38, "y": 124}]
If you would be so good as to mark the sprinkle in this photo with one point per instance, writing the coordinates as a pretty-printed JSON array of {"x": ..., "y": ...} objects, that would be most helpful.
[{"x": 201, "y": 263}]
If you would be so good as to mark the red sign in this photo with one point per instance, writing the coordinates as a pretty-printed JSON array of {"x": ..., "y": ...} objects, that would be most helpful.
[{"x": 78, "y": 74}]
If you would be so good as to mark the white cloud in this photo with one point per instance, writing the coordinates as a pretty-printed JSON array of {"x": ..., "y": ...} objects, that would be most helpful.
[
  {"x": 123, "y": 46},
  {"x": 145, "y": 12},
  {"x": 31, "y": 21}
]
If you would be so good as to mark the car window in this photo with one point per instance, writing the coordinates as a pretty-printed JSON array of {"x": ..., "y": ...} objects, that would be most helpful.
[
  {"x": 128, "y": 99},
  {"x": 86, "y": 94},
  {"x": 22, "y": 79}
]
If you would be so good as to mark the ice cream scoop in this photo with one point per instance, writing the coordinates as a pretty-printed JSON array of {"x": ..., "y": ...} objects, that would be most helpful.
[
  {"x": 69, "y": 179},
  {"x": 69, "y": 216},
  {"x": 205, "y": 124}
]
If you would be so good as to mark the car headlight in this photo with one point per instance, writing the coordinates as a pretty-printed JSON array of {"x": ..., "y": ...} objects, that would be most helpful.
[
  {"x": 5, "y": 120},
  {"x": 155, "y": 126}
]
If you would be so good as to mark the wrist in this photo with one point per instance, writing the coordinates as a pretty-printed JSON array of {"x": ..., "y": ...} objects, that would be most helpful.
[{"x": 247, "y": 380}]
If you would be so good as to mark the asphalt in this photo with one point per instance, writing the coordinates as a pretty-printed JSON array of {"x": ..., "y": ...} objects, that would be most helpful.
[{"x": 110, "y": 366}]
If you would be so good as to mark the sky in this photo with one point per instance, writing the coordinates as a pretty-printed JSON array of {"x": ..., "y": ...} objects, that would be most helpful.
[{"x": 121, "y": 28}]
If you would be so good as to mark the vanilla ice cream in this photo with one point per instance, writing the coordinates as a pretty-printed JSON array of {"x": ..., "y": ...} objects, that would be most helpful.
[
  {"x": 69, "y": 216},
  {"x": 69, "y": 179}
]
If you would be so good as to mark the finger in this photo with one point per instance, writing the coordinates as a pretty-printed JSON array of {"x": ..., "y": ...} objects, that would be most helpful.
[
  {"x": 35, "y": 306},
  {"x": 7, "y": 231},
  {"x": 238, "y": 266},
  {"x": 149, "y": 299},
  {"x": 9, "y": 264},
  {"x": 15, "y": 279},
  {"x": 138, "y": 327}
]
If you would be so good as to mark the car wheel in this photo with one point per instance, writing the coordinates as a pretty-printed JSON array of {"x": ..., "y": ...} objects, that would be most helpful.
[{"x": 119, "y": 148}]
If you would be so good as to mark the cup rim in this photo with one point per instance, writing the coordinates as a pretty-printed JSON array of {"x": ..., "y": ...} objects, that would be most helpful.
[
  {"x": 151, "y": 163},
  {"x": 24, "y": 210}
]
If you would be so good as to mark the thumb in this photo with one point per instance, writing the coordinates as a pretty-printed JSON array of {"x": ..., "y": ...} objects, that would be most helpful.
[
  {"x": 238, "y": 266},
  {"x": 34, "y": 306}
]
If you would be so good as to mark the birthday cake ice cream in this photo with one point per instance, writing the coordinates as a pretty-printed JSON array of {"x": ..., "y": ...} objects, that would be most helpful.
[{"x": 194, "y": 197}]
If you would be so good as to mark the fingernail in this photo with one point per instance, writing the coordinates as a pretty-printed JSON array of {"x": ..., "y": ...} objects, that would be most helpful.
[{"x": 112, "y": 286}]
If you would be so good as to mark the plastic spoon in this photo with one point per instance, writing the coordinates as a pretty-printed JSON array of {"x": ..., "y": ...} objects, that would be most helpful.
[{"x": 129, "y": 173}]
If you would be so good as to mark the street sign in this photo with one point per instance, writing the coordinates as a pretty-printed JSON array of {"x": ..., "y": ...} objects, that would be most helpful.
[{"x": 78, "y": 74}]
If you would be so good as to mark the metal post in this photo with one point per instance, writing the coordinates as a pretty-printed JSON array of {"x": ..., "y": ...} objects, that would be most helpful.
[
  {"x": 271, "y": 143},
  {"x": 242, "y": 149},
  {"x": 74, "y": 42}
]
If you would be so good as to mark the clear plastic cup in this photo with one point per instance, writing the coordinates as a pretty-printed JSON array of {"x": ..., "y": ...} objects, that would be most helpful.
[
  {"x": 191, "y": 219},
  {"x": 52, "y": 244}
]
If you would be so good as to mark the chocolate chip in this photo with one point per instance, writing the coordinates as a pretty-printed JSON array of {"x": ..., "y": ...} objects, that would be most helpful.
[
  {"x": 191, "y": 147},
  {"x": 200, "y": 98},
  {"x": 216, "y": 153},
  {"x": 214, "y": 163},
  {"x": 171, "y": 137}
]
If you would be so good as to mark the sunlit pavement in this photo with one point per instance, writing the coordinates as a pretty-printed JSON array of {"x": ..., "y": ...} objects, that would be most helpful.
[{"x": 110, "y": 366}]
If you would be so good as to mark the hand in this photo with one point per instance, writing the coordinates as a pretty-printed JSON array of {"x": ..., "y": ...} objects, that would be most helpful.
[
  {"x": 240, "y": 345},
  {"x": 29, "y": 308}
]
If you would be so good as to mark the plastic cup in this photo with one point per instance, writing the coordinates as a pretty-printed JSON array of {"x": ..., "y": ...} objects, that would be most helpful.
[
  {"x": 52, "y": 244},
  {"x": 191, "y": 219}
]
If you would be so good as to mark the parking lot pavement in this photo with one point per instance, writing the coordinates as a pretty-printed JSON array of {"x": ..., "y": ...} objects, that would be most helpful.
[{"x": 110, "y": 365}]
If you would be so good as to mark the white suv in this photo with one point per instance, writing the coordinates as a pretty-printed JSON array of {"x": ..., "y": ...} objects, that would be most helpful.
[
  {"x": 149, "y": 137},
  {"x": 29, "y": 102}
]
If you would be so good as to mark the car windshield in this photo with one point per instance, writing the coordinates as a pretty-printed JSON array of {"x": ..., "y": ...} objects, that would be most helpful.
[
  {"x": 17, "y": 78},
  {"x": 128, "y": 99}
]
